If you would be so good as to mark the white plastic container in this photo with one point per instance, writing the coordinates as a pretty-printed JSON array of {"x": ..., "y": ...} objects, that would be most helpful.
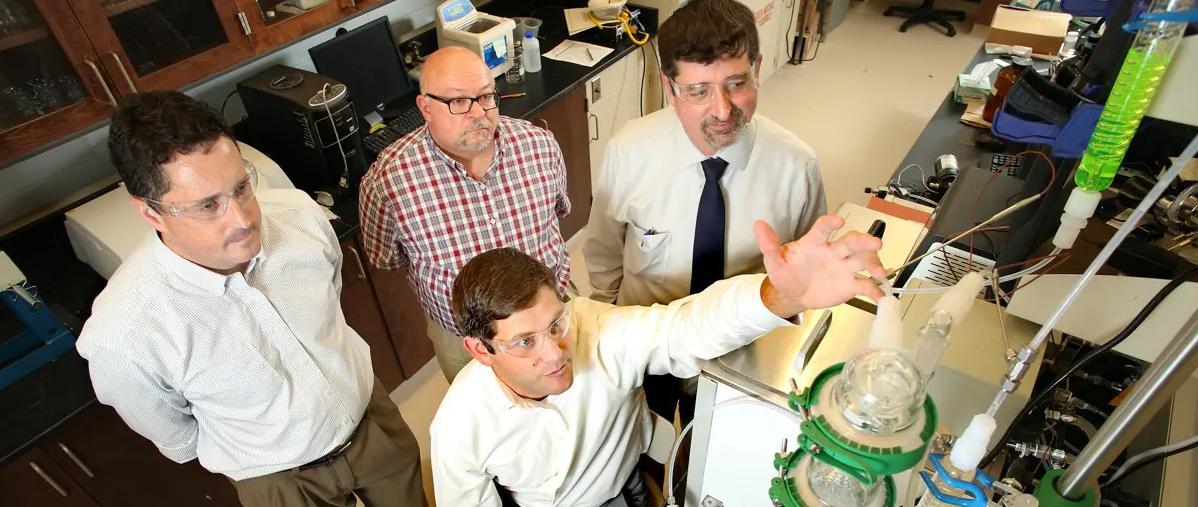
[{"x": 532, "y": 53}]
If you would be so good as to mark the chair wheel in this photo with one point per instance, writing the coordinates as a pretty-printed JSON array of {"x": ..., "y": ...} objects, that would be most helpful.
[
  {"x": 889, "y": 11},
  {"x": 903, "y": 29},
  {"x": 951, "y": 32}
]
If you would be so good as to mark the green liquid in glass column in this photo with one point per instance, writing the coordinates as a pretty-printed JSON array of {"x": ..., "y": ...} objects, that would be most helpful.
[{"x": 1129, "y": 99}]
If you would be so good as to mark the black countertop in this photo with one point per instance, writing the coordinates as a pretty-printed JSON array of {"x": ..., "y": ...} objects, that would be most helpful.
[
  {"x": 44, "y": 399},
  {"x": 944, "y": 133}
]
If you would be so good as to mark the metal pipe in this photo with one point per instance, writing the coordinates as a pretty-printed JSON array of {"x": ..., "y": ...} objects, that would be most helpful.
[{"x": 1172, "y": 368}]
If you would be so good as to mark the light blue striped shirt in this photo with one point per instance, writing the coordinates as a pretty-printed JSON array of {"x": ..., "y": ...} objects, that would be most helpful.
[{"x": 252, "y": 373}]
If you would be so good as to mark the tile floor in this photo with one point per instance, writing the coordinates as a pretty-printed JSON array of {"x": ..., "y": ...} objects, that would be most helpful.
[{"x": 860, "y": 103}]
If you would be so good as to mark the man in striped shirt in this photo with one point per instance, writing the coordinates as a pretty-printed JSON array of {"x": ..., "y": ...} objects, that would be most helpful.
[
  {"x": 467, "y": 182},
  {"x": 221, "y": 338}
]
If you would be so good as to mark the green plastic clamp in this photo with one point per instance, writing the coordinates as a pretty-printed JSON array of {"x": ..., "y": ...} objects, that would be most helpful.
[
  {"x": 850, "y": 457},
  {"x": 1048, "y": 496}
]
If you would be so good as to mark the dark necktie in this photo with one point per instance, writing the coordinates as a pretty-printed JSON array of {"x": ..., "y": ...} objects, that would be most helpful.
[{"x": 707, "y": 263}]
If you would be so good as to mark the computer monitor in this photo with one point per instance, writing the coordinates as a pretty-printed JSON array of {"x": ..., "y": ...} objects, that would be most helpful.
[{"x": 367, "y": 60}]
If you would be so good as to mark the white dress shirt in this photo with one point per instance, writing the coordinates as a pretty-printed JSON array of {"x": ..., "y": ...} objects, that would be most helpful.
[
  {"x": 578, "y": 448},
  {"x": 640, "y": 237},
  {"x": 252, "y": 373}
]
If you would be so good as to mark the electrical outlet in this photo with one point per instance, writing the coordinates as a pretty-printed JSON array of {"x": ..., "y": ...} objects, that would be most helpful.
[{"x": 596, "y": 90}]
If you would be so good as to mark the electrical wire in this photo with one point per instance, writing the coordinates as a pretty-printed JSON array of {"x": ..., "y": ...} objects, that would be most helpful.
[
  {"x": 324, "y": 95},
  {"x": 923, "y": 176},
  {"x": 621, "y": 19},
  {"x": 1147, "y": 457},
  {"x": 1043, "y": 395},
  {"x": 226, "y": 102}
]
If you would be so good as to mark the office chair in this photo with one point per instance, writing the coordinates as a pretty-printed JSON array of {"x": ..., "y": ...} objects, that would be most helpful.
[{"x": 924, "y": 13}]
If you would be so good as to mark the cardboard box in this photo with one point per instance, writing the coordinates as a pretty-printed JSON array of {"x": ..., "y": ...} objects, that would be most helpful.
[{"x": 1043, "y": 31}]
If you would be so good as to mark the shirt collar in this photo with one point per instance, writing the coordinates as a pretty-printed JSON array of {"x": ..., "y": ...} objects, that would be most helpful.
[
  {"x": 504, "y": 395},
  {"x": 736, "y": 154},
  {"x": 203, "y": 278}
]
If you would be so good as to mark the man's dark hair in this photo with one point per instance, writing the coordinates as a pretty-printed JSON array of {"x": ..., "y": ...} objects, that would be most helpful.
[
  {"x": 493, "y": 286},
  {"x": 703, "y": 31},
  {"x": 152, "y": 128}
]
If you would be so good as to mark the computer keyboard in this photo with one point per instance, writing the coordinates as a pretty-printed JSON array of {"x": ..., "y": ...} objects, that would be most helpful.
[{"x": 398, "y": 127}]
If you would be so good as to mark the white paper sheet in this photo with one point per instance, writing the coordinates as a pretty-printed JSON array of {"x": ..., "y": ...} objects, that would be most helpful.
[{"x": 580, "y": 53}]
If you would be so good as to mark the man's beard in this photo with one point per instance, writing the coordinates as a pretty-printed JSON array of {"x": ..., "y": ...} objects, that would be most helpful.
[
  {"x": 718, "y": 141},
  {"x": 481, "y": 123}
]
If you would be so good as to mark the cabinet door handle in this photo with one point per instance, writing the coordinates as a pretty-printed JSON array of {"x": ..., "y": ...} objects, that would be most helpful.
[
  {"x": 596, "y": 118},
  {"x": 103, "y": 83},
  {"x": 353, "y": 4},
  {"x": 125, "y": 72},
  {"x": 245, "y": 23},
  {"x": 358, "y": 259},
  {"x": 544, "y": 123},
  {"x": 46, "y": 477},
  {"x": 78, "y": 462}
]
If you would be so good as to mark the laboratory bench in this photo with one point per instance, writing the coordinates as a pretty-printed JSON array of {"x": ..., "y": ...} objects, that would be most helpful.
[{"x": 61, "y": 447}]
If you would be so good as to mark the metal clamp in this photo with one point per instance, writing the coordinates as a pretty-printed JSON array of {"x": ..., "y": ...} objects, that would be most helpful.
[
  {"x": 78, "y": 462},
  {"x": 121, "y": 65},
  {"x": 103, "y": 84},
  {"x": 46, "y": 477},
  {"x": 358, "y": 260}
]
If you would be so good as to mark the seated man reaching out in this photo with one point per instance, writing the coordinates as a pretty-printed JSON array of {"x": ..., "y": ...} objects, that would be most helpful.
[{"x": 549, "y": 407}]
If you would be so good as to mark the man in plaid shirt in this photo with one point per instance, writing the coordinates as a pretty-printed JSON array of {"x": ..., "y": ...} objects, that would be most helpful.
[{"x": 467, "y": 182}]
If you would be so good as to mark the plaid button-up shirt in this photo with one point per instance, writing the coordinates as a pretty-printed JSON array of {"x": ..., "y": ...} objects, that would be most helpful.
[{"x": 422, "y": 211}]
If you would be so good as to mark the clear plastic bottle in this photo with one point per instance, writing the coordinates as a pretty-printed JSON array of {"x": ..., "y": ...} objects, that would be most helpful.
[
  {"x": 1145, "y": 64},
  {"x": 532, "y": 53}
]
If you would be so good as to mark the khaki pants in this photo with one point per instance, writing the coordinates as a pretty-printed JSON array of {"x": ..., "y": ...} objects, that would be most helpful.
[
  {"x": 451, "y": 355},
  {"x": 381, "y": 467}
]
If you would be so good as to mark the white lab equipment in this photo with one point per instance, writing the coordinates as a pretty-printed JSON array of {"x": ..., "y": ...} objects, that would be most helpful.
[
  {"x": 460, "y": 24},
  {"x": 106, "y": 230}
]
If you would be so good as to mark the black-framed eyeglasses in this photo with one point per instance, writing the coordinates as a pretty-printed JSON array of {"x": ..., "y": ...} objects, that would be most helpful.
[{"x": 462, "y": 105}]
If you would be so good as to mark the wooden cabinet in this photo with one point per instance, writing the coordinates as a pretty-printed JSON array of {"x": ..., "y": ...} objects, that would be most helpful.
[
  {"x": 95, "y": 460},
  {"x": 52, "y": 80},
  {"x": 405, "y": 318},
  {"x": 566, "y": 117},
  {"x": 162, "y": 44},
  {"x": 34, "y": 480},
  {"x": 65, "y": 64},
  {"x": 363, "y": 314},
  {"x": 118, "y": 467},
  {"x": 277, "y": 22}
]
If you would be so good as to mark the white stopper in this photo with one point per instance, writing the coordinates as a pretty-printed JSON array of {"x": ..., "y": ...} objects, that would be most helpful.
[
  {"x": 887, "y": 329},
  {"x": 1079, "y": 208},
  {"x": 959, "y": 299},
  {"x": 969, "y": 450}
]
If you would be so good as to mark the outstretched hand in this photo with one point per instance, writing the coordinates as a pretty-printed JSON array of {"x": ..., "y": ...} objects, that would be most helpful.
[{"x": 812, "y": 272}]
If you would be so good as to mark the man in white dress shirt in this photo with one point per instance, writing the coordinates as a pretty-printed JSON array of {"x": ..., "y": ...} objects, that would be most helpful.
[
  {"x": 680, "y": 188},
  {"x": 222, "y": 338},
  {"x": 550, "y": 406}
]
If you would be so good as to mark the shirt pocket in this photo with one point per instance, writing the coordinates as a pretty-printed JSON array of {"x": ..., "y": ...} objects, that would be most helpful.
[
  {"x": 646, "y": 251},
  {"x": 530, "y": 473}
]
